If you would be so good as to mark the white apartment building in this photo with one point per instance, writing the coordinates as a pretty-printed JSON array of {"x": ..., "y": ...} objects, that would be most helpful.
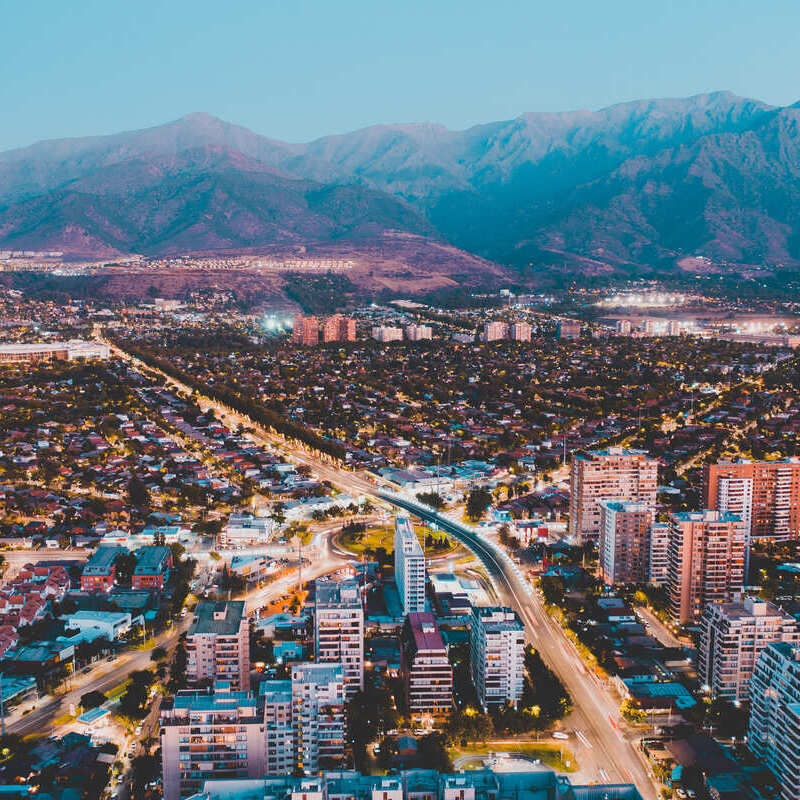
[
  {"x": 279, "y": 745},
  {"x": 658, "y": 573},
  {"x": 409, "y": 566},
  {"x": 494, "y": 331},
  {"x": 418, "y": 333},
  {"x": 497, "y": 655},
  {"x": 732, "y": 636},
  {"x": 387, "y": 333},
  {"x": 218, "y": 644},
  {"x": 774, "y": 732},
  {"x": 245, "y": 529},
  {"x": 520, "y": 332},
  {"x": 339, "y": 630},
  {"x": 318, "y": 716}
]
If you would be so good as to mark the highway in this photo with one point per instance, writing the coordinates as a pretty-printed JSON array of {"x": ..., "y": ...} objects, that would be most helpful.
[{"x": 605, "y": 753}]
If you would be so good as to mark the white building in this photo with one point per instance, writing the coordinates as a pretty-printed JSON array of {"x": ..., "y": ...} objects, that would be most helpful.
[
  {"x": 732, "y": 636},
  {"x": 246, "y": 529},
  {"x": 279, "y": 746},
  {"x": 494, "y": 331},
  {"x": 497, "y": 655},
  {"x": 774, "y": 733},
  {"x": 658, "y": 573},
  {"x": 409, "y": 566},
  {"x": 72, "y": 350},
  {"x": 520, "y": 332},
  {"x": 339, "y": 630},
  {"x": 418, "y": 333},
  {"x": 387, "y": 333},
  {"x": 110, "y": 625}
]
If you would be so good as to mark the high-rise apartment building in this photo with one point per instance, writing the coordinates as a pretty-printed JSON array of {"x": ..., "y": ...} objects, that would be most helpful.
[
  {"x": 387, "y": 333},
  {"x": 427, "y": 674},
  {"x": 766, "y": 494},
  {"x": 568, "y": 329},
  {"x": 330, "y": 328},
  {"x": 732, "y": 636},
  {"x": 206, "y": 735},
  {"x": 623, "y": 327},
  {"x": 774, "y": 732},
  {"x": 707, "y": 555},
  {"x": 520, "y": 332},
  {"x": 218, "y": 644},
  {"x": 612, "y": 474},
  {"x": 347, "y": 329},
  {"x": 497, "y": 655},
  {"x": 318, "y": 716},
  {"x": 658, "y": 570},
  {"x": 339, "y": 630},
  {"x": 493, "y": 331},
  {"x": 279, "y": 732},
  {"x": 409, "y": 566},
  {"x": 625, "y": 541},
  {"x": 305, "y": 330},
  {"x": 418, "y": 333}
]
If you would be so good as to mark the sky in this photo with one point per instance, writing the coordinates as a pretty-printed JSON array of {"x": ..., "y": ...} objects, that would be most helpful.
[{"x": 297, "y": 70}]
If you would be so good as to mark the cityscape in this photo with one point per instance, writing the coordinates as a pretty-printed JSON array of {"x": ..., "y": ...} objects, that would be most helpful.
[{"x": 400, "y": 401}]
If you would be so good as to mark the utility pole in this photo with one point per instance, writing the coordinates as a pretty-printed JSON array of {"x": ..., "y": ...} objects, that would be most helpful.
[{"x": 2, "y": 709}]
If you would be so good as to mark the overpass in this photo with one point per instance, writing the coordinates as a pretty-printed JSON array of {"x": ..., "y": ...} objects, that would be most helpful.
[{"x": 607, "y": 755}]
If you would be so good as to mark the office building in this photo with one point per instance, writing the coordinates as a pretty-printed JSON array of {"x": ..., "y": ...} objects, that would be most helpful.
[
  {"x": 318, "y": 716},
  {"x": 568, "y": 329},
  {"x": 658, "y": 569},
  {"x": 427, "y": 674},
  {"x": 616, "y": 474},
  {"x": 497, "y": 655},
  {"x": 774, "y": 731},
  {"x": 625, "y": 541},
  {"x": 305, "y": 330},
  {"x": 707, "y": 556},
  {"x": 73, "y": 350},
  {"x": 520, "y": 332},
  {"x": 494, "y": 331},
  {"x": 409, "y": 566},
  {"x": 732, "y": 636},
  {"x": 218, "y": 644},
  {"x": 209, "y": 734},
  {"x": 766, "y": 494},
  {"x": 246, "y": 529},
  {"x": 387, "y": 333},
  {"x": 339, "y": 630},
  {"x": 418, "y": 333}
]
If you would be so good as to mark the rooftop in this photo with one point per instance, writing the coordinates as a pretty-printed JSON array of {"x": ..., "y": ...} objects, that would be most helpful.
[
  {"x": 222, "y": 619},
  {"x": 151, "y": 558},
  {"x": 426, "y": 634},
  {"x": 332, "y": 594},
  {"x": 103, "y": 559}
]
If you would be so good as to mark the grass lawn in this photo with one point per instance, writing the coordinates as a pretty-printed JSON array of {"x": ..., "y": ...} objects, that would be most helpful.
[
  {"x": 548, "y": 754},
  {"x": 383, "y": 536},
  {"x": 118, "y": 690}
]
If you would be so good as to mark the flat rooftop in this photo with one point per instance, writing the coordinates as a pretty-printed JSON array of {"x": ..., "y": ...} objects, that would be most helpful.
[{"x": 222, "y": 619}]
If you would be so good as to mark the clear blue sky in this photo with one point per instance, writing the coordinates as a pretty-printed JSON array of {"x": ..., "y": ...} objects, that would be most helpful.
[{"x": 295, "y": 69}]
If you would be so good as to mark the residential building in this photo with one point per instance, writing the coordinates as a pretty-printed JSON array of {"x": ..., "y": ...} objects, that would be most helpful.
[
  {"x": 331, "y": 328},
  {"x": 279, "y": 745},
  {"x": 387, "y": 333},
  {"x": 520, "y": 332},
  {"x": 409, "y": 566},
  {"x": 494, "y": 331},
  {"x": 497, "y": 655},
  {"x": 774, "y": 731},
  {"x": 242, "y": 529},
  {"x": 339, "y": 630},
  {"x": 732, "y": 636},
  {"x": 100, "y": 573},
  {"x": 427, "y": 674},
  {"x": 218, "y": 644},
  {"x": 658, "y": 568},
  {"x": 568, "y": 329},
  {"x": 766, "y": 494},
  {"x": 305, "y": 330},
  {"x": 318, "y": 716},
  {"x": 347, "y": 329},
  {"x": 625, "y": 541},
  {"x": 153, "y": 565},
  {"x": 418, "y": 333},
  {"x": 623, "y": 327},
  {"x": 707, "y": 555},
  {"x": 615, "y": 473},
  {"x": 215, "y": 734}
]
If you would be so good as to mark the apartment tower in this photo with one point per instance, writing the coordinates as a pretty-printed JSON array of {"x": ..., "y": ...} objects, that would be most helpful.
[
  {"x": 409, "y": 566},
  {"x": 497, "y": 655},
  {"x": 427, "y": 674},
  {"x": 218, "y": 644},
  {"x": 625, "y": 541}
]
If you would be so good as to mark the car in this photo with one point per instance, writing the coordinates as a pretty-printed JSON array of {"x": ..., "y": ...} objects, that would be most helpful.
[
  {"x": 138, "y": 731},
  {"x": 560, "y": 735}
]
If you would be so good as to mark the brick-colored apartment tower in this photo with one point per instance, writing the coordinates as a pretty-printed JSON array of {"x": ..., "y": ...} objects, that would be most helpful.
[
  {"x": 766, "y": 494},
  {"x": 305, "y": 330},
  {"x": 613, "y": 474},
  {"x": 707, "y": 555}
]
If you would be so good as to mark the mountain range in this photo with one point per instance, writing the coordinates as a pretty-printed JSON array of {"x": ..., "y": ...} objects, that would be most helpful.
[{"x": 710, "y": 182}]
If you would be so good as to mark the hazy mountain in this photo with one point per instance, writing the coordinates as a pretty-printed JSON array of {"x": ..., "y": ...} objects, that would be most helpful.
[{"x": 634, "y": 186}]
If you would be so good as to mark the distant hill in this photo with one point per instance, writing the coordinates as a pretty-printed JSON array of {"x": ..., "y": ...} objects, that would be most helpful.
[{"x": 633, "y": 188}]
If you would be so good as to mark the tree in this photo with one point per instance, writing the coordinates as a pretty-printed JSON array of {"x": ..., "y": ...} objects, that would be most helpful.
[
  {"x": 92, "y": 700},
  {"x": 125, "y": 564},
  {"x": 138, "y": 493},
  {"x": 433, "y": 499},
  {"x": 478, "y": 501},
  {"x": 631, "y": 712}
]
